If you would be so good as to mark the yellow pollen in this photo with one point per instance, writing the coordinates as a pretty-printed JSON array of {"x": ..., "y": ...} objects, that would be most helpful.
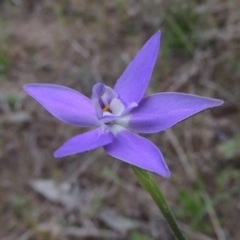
[{"x": 106, "y": 108}]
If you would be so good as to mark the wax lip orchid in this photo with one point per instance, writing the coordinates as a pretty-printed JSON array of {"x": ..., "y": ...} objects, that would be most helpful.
[{"x": 117, "y": 113}]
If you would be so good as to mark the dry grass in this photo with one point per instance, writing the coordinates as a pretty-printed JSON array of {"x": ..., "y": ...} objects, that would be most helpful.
[{"x": 77, "y": 43}]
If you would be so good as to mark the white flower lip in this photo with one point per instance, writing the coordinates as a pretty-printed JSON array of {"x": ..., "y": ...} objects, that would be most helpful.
[{"x": 116, "y": 107}]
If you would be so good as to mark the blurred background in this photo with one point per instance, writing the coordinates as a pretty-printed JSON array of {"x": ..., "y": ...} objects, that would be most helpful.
[{"x": 91, "y": 195}]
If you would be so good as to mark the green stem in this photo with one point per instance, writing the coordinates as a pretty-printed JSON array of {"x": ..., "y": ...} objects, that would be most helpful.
[{"x": 150, "y": 185}]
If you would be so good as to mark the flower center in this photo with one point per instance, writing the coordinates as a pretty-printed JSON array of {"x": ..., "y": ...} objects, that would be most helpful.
[
  {"x": 106, "y": 109},
  {"x": 107, "y": 103}
]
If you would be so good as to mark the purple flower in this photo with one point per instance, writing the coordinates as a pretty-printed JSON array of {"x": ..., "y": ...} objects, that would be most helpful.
[{"x": 119, "y": 112}]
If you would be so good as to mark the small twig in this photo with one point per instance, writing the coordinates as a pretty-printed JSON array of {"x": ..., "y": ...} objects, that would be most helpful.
[
  {"x": 25, "y": 236},
  {"x": 83, "y": 166},
  {"x": 194, "y": 235},
  {"x": 91, "y": 233},
  {"x": 192, "y": 173},
  {"x": 181, "y": 154},
  {"x": 92, "y": 64},
  {"x": 213, "y": 216}
]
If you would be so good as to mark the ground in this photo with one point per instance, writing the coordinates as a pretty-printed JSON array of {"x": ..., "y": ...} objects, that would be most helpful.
[{"x": 91, "y": 195}]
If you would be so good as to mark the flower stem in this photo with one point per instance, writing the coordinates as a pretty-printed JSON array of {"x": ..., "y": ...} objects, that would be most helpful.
[{"x": 150, "y": 185}]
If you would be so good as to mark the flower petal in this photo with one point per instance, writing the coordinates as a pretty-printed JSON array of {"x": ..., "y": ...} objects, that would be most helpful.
[
  {"x": 64, "y": 103},
  {"x": 137, "y": 151},
  {"x": 158, "y": 112},
  {"x": 133, "y": 83},
  {"x": 85, "y": 142}
]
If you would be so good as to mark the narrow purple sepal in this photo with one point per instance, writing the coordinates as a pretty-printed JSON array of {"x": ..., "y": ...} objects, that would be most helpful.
[
  {"x": 158, "y": 112},
  {"x": 137, "y": 151},
  {"x": 64, "y": 103},
  {"x": 84, "y": 142},
  {"x": 132, "y": 85}
]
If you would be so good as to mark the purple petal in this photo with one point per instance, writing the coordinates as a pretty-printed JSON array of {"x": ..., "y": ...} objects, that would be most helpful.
[
  {"x": 85, "y": 142},
  {"x": 64, "y": 103},
  {"x": 137, "y": 151},
  {"x": 133, "y": 83},
  {"x": 161, "y": 111}
]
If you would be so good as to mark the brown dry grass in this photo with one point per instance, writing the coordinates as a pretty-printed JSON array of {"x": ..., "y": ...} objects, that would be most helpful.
[{"x": 77, "y": 43}]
